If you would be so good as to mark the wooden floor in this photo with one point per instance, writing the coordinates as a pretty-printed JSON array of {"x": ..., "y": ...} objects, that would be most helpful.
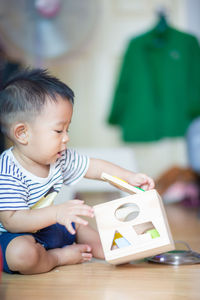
[{"x": 98, "y": 280}]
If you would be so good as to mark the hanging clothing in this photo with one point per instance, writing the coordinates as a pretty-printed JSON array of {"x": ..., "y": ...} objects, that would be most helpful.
[{"x": 158, "y": 92}]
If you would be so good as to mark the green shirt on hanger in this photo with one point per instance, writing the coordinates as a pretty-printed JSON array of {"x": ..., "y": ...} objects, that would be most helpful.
[{"x": 158, "y": 91}]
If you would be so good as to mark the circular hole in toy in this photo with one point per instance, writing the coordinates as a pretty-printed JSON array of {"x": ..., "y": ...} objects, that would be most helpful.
[{"x": 127, "y": 212}]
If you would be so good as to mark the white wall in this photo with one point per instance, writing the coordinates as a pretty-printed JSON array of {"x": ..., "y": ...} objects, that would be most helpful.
[{"x": 92, "y": 71}]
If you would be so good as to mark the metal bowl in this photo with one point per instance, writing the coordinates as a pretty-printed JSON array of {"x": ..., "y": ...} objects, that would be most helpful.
[{"x": 177, "y": 257}]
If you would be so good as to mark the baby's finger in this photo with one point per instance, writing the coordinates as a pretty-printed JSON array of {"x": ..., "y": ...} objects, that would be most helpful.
[
  {"x": 79, "y": 220},
  {"x": 70, "y": 228},
  {"x": 145, "y": 187},
  {"x": 148, "y": 185},
  {"x": 76, "y": 204},
  {"x": 87, "y": 256},
  {"x": 86, "y": 207},
  {"x": 152, "y": 183},
  {"x": 83, "y": 211},
  {"x": 76, "y": 201}
]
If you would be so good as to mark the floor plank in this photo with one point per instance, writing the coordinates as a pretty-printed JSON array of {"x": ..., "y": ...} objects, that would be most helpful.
[{"x": 101, "y": 281}]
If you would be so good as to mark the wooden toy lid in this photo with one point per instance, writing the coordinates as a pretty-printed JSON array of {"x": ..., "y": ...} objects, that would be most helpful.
[{"x": 121, "y": 184}]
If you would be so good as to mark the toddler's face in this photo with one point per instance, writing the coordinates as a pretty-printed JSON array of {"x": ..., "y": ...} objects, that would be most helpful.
[{"x": 48, "y": 134}]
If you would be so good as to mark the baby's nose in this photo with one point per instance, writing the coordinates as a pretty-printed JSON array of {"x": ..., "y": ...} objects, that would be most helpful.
[{"x": 65, "y": 138}]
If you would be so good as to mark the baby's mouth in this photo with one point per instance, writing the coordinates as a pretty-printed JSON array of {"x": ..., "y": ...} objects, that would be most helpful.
[{"x": 60, "y": 153}]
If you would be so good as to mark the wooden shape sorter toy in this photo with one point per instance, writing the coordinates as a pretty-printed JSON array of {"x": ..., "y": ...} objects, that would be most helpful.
[{"x": 133, "y": 227}]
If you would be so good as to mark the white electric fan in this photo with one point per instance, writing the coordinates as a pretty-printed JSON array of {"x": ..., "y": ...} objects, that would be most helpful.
[{"x": 48, "y": 28}]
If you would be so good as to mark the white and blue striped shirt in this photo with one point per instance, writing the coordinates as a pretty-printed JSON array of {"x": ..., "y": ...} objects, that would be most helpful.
[{"x": 20, "y": 189}]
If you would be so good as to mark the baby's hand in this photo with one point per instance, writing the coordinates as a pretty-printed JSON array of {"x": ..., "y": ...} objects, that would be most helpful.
[
  {"x": 142, "y": 181},
  {"x": 68, "y": 212}
]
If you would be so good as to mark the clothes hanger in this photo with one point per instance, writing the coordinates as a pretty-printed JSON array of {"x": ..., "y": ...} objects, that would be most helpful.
[
  {"x": 162, "y": 23},
  {"x": 161, "y": 28}
]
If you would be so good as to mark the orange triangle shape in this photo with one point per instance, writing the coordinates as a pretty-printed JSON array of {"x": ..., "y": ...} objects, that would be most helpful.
[{"x": 118, "y": 236}]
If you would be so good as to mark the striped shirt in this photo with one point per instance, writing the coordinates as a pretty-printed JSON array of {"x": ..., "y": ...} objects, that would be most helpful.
[{"x": 20, "y": 189}]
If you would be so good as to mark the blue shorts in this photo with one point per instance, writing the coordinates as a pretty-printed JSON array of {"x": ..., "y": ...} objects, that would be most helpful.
[{"x": 51, "y": 237}]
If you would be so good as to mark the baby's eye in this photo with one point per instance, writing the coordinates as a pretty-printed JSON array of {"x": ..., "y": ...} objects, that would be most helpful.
[{"x": 58, "y": 131}]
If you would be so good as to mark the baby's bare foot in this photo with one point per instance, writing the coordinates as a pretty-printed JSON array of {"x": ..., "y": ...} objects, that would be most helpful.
[{"x": 73, "y": 254}]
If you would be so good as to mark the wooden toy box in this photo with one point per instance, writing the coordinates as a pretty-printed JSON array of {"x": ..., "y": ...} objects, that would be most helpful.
[{"x": 133, "y": 227}]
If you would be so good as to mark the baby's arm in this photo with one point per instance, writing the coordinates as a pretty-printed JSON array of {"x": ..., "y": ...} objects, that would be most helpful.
[
  {"x": 97, "y": 167},
  {"x": 33, "y": 220}
]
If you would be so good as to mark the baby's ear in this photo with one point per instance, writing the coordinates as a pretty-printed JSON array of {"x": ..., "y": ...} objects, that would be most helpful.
[{"x": 21, "y": 133}]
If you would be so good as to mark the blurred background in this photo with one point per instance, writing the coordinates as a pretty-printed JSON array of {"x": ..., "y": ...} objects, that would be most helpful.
[{"x": 97, "y": 48}]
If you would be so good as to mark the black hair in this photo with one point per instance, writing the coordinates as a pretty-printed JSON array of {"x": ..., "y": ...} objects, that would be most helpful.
[{"x": 27, "y": 91}]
